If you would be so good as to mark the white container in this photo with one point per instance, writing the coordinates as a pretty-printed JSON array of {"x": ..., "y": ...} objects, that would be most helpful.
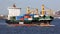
[
  {"x": 41, "y": 15},
  {"x": 36, "y": 15},
  {"x": 30, "y": 19},
  {"x": 21, "y": 22}
]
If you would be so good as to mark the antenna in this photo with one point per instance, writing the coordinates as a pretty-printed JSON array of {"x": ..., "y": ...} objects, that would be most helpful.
[{"x": 14, "y": 5}]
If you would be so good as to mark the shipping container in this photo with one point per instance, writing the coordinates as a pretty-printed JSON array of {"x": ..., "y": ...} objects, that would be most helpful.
[
  {"x": 17, "y": 20},
  {"x": 21, "y": 15},
  {"x": 18, "y": 17},
  {"x": 25, "y": 18},
  {"x": 26, "y": 15},
  {"x": 14, "y": 21},
  {"x": 30, "y": 18},
  {"x": 22, "y": 19},
  {"x": 36, "y": 15},
  {"x": 36, "y": 18},
  {"x": 13, "y": 18},
  {"x": 32, "y": 15},
  {"x": 27, "y": 21},
  {"x": 21, "y": 22}
]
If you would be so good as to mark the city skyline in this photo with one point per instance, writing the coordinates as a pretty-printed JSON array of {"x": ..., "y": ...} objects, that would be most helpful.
[{"x": 4, "y": 4}]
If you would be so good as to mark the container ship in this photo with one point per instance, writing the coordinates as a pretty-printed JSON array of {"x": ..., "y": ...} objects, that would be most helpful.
[{"x": 31, "y": 16}]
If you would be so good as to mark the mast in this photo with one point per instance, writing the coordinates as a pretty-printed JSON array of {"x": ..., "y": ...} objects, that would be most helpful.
[
  {"x": 28, "y": 10},
  {"x": 37, "y": 11},
  {"x": 43, "y": 10}
]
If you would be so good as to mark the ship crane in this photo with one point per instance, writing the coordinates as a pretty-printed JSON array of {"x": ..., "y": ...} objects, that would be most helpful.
[
  {"x": 32, "y": 11},
  {"x": 50, "y": 11},
  {"x": 43, "y": 10},
  {"x": 28, "y": 10},
  {"x": 36, "y": 12},
  {"x": 46, "y": 10}
]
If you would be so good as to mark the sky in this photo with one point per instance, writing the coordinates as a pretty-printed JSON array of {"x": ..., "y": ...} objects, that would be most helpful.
[{"x": 52, "y": 4}]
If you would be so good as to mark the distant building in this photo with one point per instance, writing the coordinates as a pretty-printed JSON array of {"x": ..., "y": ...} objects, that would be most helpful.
[
  {"x": 57, "y": 14},
  {"x": 3, "y": 16}
]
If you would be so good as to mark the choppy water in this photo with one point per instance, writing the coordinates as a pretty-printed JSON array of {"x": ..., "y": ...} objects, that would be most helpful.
[{"x": 4, "y": 29}]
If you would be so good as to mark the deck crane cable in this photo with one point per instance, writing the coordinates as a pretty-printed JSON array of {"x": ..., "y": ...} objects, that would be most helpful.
[
  {"x": 49, "y": 8},
  {"x": 50, "y": 11}
]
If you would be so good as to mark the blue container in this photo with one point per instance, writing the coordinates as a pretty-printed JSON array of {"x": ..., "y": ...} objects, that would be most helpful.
[
  {"x": 26, "y": 15},
  {"x": 32, "y": 15},
  {"x": 22, "y": 15},
  {"x": 18, "y": 17},
  {"x": 25, "y": 18}
]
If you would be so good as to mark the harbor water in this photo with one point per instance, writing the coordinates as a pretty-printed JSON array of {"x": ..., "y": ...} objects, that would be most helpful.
[{"x": 4, "y": 29}]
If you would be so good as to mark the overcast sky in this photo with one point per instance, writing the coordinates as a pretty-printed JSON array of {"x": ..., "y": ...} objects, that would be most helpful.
[{"x": 4, "y": 4}]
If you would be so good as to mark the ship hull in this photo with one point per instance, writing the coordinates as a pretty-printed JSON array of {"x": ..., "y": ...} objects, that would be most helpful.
[
  {"x": 32, "y": 22},
  {"x": 9, "y": 22}
]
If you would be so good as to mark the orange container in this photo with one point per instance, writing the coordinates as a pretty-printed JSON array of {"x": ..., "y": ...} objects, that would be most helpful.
[{"x": 27, "y": 16}]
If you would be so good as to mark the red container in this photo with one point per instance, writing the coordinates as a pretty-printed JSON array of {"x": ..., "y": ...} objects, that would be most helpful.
[
  {"x": 21, "y": 18},
  {"x": 27, "y": 16}
]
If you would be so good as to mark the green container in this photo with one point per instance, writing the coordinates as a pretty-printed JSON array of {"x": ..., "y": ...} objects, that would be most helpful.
[
  {"x": 21, "y": 20},
  {"x": 27, "y": 21},
  {"x": 37, "y": 18},
  {"x": 13, "y": 18}
]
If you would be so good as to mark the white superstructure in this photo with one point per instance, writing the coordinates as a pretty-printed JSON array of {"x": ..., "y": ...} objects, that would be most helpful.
[{"x": 13, "y": 11}]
